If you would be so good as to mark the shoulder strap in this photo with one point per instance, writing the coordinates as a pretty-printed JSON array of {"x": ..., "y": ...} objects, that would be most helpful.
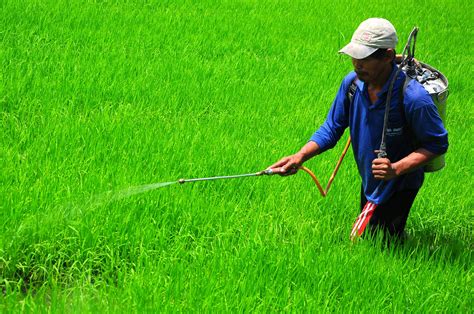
[
  {"x": 402, "y": 94},
  {"x": 401, "y": 106},
  {"x": 352, "y": 90},
  {"x": 382, "y": 153},
  {"x": 402, "y": 98}
]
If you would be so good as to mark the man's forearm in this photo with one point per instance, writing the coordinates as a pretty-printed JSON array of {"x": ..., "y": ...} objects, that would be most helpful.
[
  {"x": 413, "y": 161},
  {"x": 309, "y": 150}
]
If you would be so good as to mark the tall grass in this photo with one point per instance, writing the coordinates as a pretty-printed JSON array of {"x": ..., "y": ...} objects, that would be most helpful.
[{"x": 97, "y": 97}]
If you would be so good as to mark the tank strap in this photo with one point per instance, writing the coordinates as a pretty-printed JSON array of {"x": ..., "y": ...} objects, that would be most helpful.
[
  {"x": 402, "y": 94},
  {"x": 401, "y": 107},
  {"x": 352, "y": 90}
]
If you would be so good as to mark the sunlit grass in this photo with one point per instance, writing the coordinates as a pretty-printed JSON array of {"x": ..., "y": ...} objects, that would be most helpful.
[{"x": 101, "y": 101}]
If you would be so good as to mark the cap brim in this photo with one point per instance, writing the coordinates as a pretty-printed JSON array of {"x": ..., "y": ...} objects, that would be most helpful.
[{"x": 357, "y": 51}]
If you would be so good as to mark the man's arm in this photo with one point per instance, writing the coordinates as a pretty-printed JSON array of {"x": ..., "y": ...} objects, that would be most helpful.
[
  {"x": 427, "y": 126},
  {"x": 383, "y": 169},
  {"x": 325, "y": 137},
  {"x": 289, "y": 165}
]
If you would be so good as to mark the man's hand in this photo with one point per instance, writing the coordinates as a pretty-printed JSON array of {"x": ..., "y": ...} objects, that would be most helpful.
[
  {"x": 383, "y": 169},
  {"x": 288, "y": 165}
]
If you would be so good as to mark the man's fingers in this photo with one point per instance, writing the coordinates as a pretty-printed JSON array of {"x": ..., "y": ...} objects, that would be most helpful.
[
  {"x": 384, "y": 178},
  {"x": 281, "y": 170},
  {"x": 380, "y": 167},
  {"x": 277, "y": 170},
  {"x": 380, "y": 175},
  {"x": 288, "y": 169},
  {"x": 381, "y": 161},
  {"x": 289, "y": 172},
  {"x": 290, "y": 166},
  {"x": 279, "y": 163},
  {"x": 286, "y": 166}
]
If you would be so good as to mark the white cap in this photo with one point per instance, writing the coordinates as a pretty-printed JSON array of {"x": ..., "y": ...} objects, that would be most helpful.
[{"x": 371, "y": 35}]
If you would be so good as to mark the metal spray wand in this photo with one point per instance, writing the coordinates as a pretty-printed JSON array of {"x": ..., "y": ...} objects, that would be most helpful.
[{"x": 255, "y": 174}]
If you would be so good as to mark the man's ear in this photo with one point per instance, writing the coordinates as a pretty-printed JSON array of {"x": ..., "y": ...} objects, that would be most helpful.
[{"x": 390, "y": 54}]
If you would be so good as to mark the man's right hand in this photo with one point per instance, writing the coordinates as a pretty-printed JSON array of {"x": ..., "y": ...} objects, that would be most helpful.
[{"x": 288, "y": 165}]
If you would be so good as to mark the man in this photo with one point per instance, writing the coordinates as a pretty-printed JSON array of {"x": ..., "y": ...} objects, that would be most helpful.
[{"x": 391, "y": 183}]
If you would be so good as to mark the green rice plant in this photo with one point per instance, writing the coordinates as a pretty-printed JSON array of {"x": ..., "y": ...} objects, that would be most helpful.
[{"x": 101, "y": 101}]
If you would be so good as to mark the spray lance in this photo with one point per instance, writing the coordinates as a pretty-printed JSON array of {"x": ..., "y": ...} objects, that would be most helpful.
[
  {"x": 255, "y": 174},
  {"x": 268, "y": 172}
]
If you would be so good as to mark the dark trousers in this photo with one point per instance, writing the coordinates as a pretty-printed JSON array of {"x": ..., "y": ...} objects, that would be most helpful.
[{"x": 391, "y": 216}]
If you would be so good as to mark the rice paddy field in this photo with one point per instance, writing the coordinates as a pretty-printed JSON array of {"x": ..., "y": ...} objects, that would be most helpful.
[{"x": 100, "y": 101}]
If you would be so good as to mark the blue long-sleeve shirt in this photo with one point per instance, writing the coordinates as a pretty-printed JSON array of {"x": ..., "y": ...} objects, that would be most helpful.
[{"x": 417, "y": 118}]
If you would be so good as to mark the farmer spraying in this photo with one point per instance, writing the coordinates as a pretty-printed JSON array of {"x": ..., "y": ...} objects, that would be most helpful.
[{"x": 394, "y": 125}]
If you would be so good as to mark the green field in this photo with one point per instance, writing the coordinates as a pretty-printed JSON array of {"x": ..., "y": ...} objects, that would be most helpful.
[{"x": 97, "y": 97}]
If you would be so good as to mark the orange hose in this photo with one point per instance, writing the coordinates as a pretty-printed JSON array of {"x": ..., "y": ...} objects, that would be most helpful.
[
  {"x": 333, "y": 175},
  {"x": 320, "y": 188}
]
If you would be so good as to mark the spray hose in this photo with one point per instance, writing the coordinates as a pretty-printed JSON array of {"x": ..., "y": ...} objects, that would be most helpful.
[{"x": 333, "y": 175}]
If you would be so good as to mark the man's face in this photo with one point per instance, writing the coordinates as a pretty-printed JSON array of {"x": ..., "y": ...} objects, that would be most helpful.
[{"x": 369, "y": 69}]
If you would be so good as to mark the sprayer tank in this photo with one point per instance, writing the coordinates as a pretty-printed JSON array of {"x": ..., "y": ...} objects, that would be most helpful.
[{"x": 436, "y": 84}]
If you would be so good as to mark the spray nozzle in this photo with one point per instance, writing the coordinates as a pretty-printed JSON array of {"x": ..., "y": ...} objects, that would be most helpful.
[{"x": 268, "y": 172}]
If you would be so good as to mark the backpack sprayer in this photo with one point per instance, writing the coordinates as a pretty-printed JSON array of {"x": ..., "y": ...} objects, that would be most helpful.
[{"x": 432, "y": 81}]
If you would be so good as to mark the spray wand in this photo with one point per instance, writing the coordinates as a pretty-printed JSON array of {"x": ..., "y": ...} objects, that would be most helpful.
[
  {"x": 255, "y": 174},
  {"x": 322, "y": 191}
]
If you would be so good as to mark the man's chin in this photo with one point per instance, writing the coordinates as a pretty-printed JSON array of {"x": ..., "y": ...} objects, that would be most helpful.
[{"x": 361, "y": 76}]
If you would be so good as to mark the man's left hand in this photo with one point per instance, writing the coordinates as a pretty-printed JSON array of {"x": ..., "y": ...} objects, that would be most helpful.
[{"x": 383, "y": 169}]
